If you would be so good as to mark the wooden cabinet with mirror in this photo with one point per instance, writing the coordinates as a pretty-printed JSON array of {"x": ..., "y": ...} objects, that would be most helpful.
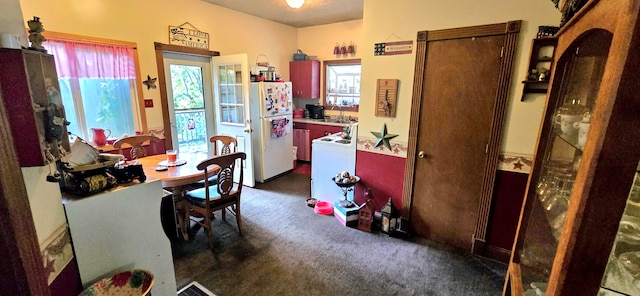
[{"x": 586, "y": 156}]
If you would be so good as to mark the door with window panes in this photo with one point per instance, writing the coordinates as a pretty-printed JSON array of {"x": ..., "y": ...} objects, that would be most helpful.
[{"x": 233, "y": 117}]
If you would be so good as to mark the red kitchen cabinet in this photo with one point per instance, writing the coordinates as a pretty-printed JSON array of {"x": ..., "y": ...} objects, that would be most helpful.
[
  {"x": 315, "y": 131},
  {"x": 33, "y": 104},
  {"x": 305, "y": 79}
]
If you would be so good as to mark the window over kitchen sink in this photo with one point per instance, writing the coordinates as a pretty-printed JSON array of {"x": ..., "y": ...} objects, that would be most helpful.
[{"x": 342, "y": 84}]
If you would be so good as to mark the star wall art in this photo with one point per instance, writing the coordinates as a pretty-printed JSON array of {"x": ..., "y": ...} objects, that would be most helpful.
[
  {"x": 383, "y": 137},
  {"x": 150, "y": 82}
]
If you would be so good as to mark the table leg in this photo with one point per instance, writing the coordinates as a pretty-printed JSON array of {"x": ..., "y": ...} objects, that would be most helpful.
[{"x": 182, "y": 211}]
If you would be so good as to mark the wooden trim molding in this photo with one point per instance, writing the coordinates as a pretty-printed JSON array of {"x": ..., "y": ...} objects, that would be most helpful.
[
  {"x": 21, "y": 268},
  {"x": 511, "y": 31},
  {"x": 161, "y": 48},
  {"x": 500, "y": 110},
  {"x": 414, "y": 121}
]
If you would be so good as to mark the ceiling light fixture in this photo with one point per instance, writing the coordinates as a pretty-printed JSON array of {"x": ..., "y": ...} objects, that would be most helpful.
[{"x": 295, "y": 3}]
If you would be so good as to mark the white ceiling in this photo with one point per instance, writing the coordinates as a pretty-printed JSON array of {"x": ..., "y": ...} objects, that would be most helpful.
[{"x": 312, "y": 13}]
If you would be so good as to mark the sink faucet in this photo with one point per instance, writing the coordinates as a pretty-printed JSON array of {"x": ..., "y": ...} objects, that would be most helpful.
[{"x": 340, "y": 117}]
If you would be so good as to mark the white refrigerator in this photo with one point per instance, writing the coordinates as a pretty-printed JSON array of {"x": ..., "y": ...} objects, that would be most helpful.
[{"x": 272, "y": 121}]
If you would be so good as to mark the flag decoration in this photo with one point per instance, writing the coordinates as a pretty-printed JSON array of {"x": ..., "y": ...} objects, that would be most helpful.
[{"x": 393, "y": 48}]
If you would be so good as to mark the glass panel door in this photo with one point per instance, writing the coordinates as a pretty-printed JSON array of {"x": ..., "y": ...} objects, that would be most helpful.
[
  {"x": 623, "y": 269},
  {"x": 189, "y": 94},
  {"x": 578, "y": 78}
]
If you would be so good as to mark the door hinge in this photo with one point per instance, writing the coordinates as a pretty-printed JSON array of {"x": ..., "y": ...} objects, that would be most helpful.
[
  {"x": 502, "y": 51},
  {"x": 486, "y": 149}
]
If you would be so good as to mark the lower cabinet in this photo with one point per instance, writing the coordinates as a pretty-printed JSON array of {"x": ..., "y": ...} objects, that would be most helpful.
[
  {"x": 119, "y": 230},
  {"x": 315, "y": 131}
]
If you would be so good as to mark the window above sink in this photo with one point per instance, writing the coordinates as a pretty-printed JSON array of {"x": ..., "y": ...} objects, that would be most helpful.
[{"x": 342, "y": 84}]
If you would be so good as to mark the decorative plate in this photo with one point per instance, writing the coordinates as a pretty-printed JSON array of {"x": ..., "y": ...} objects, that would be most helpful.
[
  {"x": 171, "y": 164},
  {"x": 133, "y": 282}
]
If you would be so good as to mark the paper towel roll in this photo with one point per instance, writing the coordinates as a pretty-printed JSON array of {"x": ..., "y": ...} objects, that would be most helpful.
[{"x": 10, "y": 40}]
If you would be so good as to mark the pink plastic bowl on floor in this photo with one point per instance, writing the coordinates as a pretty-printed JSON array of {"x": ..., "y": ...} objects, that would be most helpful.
[{"x": 323, "y": 207}]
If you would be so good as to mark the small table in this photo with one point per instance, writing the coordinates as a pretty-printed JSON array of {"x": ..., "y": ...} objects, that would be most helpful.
[{"x": 175, "y": 178}]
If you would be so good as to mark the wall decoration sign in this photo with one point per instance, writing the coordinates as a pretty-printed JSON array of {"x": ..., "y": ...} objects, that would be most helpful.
[
  {"x": 393, "y": 48},
  {"x": 188, "y": 35},
  {"x": 386, "y": 97}
]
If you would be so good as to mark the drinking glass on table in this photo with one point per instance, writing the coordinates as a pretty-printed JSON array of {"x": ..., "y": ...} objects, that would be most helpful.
[{"x": 172, "y": 156}]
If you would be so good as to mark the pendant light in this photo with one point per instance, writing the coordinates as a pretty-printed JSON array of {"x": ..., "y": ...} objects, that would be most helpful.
[{"x": 295, "y": 3}]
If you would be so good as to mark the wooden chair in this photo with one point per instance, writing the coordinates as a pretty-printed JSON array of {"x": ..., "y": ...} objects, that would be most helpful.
[
  {"x": 136, "y": 142},
  {"x": 221, "y": 145},
  {"x": 226, "y": 144},
  {"x": 205, "y": 201}
]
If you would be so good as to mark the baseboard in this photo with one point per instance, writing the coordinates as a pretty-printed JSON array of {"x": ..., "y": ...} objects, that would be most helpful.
[
  {"x": 498, "y": 254},
  {"x": 481, "y": 248}
]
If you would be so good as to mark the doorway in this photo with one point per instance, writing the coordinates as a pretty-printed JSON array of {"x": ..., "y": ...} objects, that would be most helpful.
[
  {"x": 461, "y": 86},
  {"x": 225, "y": 89},
  {"x": 190, "y": 101}
]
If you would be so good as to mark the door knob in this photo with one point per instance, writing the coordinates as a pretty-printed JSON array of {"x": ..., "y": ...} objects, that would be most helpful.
[
  {"x": 248, "y": 130},
  {"x": 421, "y": 154}
]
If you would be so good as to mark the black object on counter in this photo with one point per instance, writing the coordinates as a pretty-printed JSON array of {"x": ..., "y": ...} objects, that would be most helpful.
[{"x": 315, "y": 111}]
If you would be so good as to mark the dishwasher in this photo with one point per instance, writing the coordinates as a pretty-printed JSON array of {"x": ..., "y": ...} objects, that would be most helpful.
[{"x": 301, "y": 140}]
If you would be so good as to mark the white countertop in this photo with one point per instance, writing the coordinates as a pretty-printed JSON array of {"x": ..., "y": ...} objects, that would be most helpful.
[{"x": 318, "y": 121}]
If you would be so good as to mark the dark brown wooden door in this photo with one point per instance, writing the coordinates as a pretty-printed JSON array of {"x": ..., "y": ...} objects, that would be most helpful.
[{"x": 459, "y": 93}]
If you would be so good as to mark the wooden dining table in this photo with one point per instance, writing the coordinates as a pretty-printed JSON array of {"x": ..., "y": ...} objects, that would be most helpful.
[{"x": 176, "y": 178}]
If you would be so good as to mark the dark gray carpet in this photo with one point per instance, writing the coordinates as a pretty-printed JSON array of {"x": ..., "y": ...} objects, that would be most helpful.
[{"x": 287, "y": 249}]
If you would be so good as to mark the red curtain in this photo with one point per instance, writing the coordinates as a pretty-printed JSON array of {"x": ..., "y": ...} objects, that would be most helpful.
[{"x": 85, "y": 60}]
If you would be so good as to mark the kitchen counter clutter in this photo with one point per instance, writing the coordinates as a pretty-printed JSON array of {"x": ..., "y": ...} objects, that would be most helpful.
[{"x": 331, "y": 122}]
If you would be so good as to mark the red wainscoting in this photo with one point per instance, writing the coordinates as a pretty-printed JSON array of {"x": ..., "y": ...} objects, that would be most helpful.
[
  {"x": 508, "y": 194},
  {"x": 67, "y": 283},
  {"x": 383, "y": 175}
]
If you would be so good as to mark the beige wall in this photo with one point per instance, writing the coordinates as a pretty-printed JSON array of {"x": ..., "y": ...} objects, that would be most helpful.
[
  {"x": 146, "y": 22},
  {"x": 320, "y": 40},
  {"x": 11, "y": 20},
  {"x": 382, "y": 18}
]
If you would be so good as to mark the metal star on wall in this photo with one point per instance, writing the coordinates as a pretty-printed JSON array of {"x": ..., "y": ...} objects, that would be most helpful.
[
  {"x": 383, "y": 137},
  {"x": 150, "y": 82}
]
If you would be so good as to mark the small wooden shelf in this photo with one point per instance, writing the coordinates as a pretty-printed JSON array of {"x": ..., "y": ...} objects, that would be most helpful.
[{"x": 541, "y": 57}]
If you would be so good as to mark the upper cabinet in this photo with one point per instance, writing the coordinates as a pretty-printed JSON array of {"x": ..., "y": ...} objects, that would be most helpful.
[
  {"x": 305, "y": 79},
  {"x": 33, "y": 103},
  {"x": 585, "y": 160}
]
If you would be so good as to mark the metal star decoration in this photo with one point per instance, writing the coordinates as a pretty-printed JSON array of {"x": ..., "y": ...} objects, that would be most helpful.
[
  {"x": 150, "y": 82},
  {"x": 383, "y": 137}
]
